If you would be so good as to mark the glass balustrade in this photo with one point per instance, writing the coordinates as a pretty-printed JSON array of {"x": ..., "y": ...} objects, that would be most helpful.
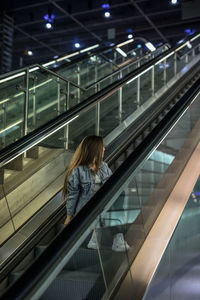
[
  {"x": 103, "y": 119},
  {"x": 127, "y": 218},
  {"x": 34, "y": 96},
  {"x": 177, "y": 273}
]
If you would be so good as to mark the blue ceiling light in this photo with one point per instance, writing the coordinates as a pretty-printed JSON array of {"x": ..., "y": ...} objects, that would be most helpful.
[
  {"x": 139, "y": 46},
  {"x": 179, "y": 42},
  {"x": 106, "y": 6},
  {"x": 190, "y": 31},
  {"x": 77, "y": 45},
  {"x": 129, "y": 30},
  {"x": 49, "y": 18}
]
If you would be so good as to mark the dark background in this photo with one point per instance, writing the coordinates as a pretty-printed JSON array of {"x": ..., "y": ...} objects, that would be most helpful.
[{"x": 83, "y": 21}]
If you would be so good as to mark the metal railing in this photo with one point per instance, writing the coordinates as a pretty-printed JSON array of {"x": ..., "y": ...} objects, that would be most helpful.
[
  {"x": 67, "y": 117},
  {"x": 49, "y": 264},
  {"x": 28, "y": 77}
]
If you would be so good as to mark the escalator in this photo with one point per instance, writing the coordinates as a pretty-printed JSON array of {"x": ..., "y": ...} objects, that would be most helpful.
[
  {"x": 107, "y": 113},
  {"x": 119, "y": 214},
  {"x": 32, "y": 96},
  {"x": 129, "y": 202}
]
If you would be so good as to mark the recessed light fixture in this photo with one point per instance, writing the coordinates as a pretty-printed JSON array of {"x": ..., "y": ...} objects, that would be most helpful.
[
  {"x": 77, "y": 45},
  {"x": 130, "y": 36},
  {"x": 107, "y": 14},
  {"x": 48, "y": 25}
]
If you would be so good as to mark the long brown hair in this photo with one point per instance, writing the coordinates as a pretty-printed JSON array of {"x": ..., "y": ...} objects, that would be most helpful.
[{"x": 88, "y": 152}]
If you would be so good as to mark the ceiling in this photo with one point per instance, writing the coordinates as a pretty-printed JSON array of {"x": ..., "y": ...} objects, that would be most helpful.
[{"x": 83, "y": 21}]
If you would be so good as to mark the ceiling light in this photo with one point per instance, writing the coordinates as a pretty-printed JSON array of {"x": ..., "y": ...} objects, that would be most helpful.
[
  {"x": 139, "y": 46},
  {"x": 29, "y": 52},
  {"x": 125, "y": 43},
  {"x": 174, "y": 2},
  {"x": 77, "y": 45},
  {"x": 89, "y": 48},
  {"x": 121, "y": 52},
  {"x": 150, "y": 46},
  {"x": 107, "y": 14},
  {"x": 48, "y": 25},
  {"x": 130, "y": 36},
  {"x": 181, "y": 41}
]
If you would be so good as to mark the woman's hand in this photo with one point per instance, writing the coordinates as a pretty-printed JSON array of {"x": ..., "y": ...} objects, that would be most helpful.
[{"x": 67, "y": 220}]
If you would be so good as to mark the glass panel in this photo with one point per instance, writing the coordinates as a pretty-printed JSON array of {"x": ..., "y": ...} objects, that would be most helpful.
[
  {"x": 69, "y": 72},
  {"x": 119, "y": 238},
  {"x": 145, "y": 86},
  {"x": 109, "y": 114},
  {"x": 12, "y": 101},
  {"x": 48, "y": 96},
  {"x": 81, "y": 277},
  {"x": 169, "y": 67},
  {"x": 129, "y": 96},
  {"x": 131, "y": 213},
  {"x": 177, "y": 272},
  {"x": 7, "y": 227}
]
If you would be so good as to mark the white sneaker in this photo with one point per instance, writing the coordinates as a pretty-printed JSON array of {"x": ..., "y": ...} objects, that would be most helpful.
[
  {"x": 119, "y": 243},
  {"x": 92, "y": 242}
]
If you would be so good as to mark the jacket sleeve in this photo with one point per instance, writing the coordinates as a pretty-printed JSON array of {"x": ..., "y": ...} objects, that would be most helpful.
[
  {"x": 73, "y": 190},
  {"x": 107, "y": 169}
]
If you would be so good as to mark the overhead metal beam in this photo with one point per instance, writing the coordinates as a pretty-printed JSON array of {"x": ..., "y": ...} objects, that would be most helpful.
[
  {"x": 97, "y": 26},
  {"x": 35, "y": 39},
  {"x": 149, "y": 20},
  {"x": 68, "y": 15},
  {"x": 111, "y": 21}
]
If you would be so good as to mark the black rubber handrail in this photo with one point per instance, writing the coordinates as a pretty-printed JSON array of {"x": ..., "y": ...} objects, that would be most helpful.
[
  {"x": 26, "y": 286},
  {"x": 23, "y": 144}
]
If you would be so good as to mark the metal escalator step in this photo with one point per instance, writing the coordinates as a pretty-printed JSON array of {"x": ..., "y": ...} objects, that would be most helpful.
[
  {"x": 14, "y": 276},
  {"x": 75, "y": 285},
  {"x": 39, "y": 249},
  {"x": 87, "y": 260}
]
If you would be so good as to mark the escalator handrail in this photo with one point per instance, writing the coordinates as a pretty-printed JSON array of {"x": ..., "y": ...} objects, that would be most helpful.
[
  {"x": 35, "y": 137},
  {"x": 63, "y": 245},
  {"x": 53, "y": 72}
]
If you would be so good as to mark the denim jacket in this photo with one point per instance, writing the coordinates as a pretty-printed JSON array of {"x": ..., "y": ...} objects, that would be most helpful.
[{"x": 81, "y": 186}]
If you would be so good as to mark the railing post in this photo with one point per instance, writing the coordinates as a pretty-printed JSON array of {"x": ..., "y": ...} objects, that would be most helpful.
[
  {"x": 120, "y": 100},
  {"x": 175, "y": 63},
  {"x": 58, "y": 91},
  {"x": 186, "y": 58},
  {"x": 96, "y": 72},
  {"x": 138, "y": 87},
  {"x": 98, "y": 114},
  {"x": 26, "y": 102},
  {"x": 34, "y": 106},
  {"x": 153, "y": 79},
  {"x": 66, "y": 130},
  {"x": 4, "y": 123},
  {"x": 164, "y": 71},
  {"x": 79, "y": 83}
]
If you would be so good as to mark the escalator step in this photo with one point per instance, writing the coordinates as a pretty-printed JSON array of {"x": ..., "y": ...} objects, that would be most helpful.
[
  {"x": 86, "y": 259},
  {"x": 75, "y": 286}
]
